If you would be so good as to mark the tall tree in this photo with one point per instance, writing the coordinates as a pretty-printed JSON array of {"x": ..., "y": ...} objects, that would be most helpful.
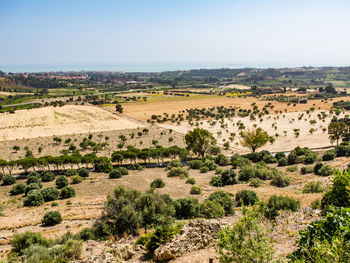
[
  {"x": 200, "y": 141},
  {"x": 336, "y": 129},
  {"x": 254, "y": 139}
]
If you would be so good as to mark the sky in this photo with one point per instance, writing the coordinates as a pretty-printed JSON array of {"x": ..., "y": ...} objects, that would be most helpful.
[{"x": 231, "y": 32}]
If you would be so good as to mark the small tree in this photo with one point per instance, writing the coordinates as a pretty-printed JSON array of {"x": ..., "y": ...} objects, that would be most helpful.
[
  {"x": 255, "y": 139},
  {"x": 336, "y": 130},
  {"x": 119, "y": 108},
  {"x": 16, "y": 148},
  {"x": 51, "y": 218},
  {"x": 200, "y": 141}
]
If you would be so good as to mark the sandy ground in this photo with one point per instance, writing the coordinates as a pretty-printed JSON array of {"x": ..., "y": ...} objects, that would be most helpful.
[
  {"x": 51, "y": 121},
  {"x": 283, "y": 122}
]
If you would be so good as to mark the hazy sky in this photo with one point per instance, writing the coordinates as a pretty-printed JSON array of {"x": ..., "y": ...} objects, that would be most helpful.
[{"x": 249, "y": 32}]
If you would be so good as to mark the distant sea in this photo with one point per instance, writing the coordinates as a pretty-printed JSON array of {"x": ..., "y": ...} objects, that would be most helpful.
[{"x": 123, "y": 67}]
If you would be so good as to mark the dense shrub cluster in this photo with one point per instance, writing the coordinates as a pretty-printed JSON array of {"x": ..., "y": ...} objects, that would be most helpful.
[
  {"x": 277, "y": 203},
  {"x": 302, "y": 155},
  {"x": 51, "y": 218},
  {"x": 157, "y": 183},
  {"x": 246, "y": 197},
  {"x": 227, "y": 177}
]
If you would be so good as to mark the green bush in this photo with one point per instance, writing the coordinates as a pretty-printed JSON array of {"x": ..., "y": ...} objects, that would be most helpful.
[
  {"x": 48, "y": 177},
  {"x": 246, "y": 173},
  {"x": 211, "y": 209},
  {"x": 313, "y": 187},
  {"x": 8, "y": 180},
  {"x": 67, "y": 192},
  {"x": 115, "y": 173},
  {"x": 280, "y": 155},
  {"x": 123, "y": 170},
  {"x": 18, "y": 189},
  {"x": 87, "y": 233},
  {"x": 292, "y": 169},
  {"x": 311, "y": 157},
  {"x": 278, "y": 203},
  {"x": 317, "y": 168},
  {"x": 33, "y": 177},
  {"x": 255, "y": 182},
  {"x": 33, "y": 198},
  {"x": 76, "y": 179},
  {"x": 71, "y": 172},
  {"x": 61, "y": 181},
  {"x": 178, "y": 171},
  {"x": 329, "y": 155},
  {"x": 53, "y": 204},
  {"x": 186, "y": 208},
  {"x": 195, "y": 164},
  {"x": 279, "y": 179},
  {"x": 326, "y": 170},
  {"x": 195, "y": 190},
  {"x": 204, "y": 169},
  {"x": 173, "y": 163},
  {"x": 216, "y": 181},
  {"x": 316, "y": 204},
  {"x": 135, "y": 166},
  {"x": 307, "y": 169},
  {"x": 246, "y": 197},
  {"x": 32, "y": 186},
  {"x": 157, "y": 183},
  {"x": 50, "y": 194},
  {"x": 224, "y": 199},
  {"x": 283, "y": 161},
  {"x": 210, "y": 164},
  {"x": 51, "y": 218},
  {"x": 292, "y": 158},
  {"x": 191, "y": 181},
  {"x": 83, "y": 172},
  {"x": 21, "y": 242},
  {"x": 228, "y": 177},
  {"x": 222, "y": 160}
]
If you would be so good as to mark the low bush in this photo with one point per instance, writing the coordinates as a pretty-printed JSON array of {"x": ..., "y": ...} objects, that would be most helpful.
[
  {"x": 224, "y": 199},
  {"x": 83, "y": 172},
  {"x": 313, "y": 187},
  {"x": 33, "y": 186},
  {"x": 283, "y": 161},
  {"x": 61, "y": 181},
  {"x": 67, "y": 192},
  {"x": 317, "y": 168},
  {"x": 329, "y": 155},
  {"x": 178, "y": 171},
  {"x": 186, "y": 208},
  {"x": 135, "y": 166},
  {"x": 278, "y": 203},
  {"x": 157, "y": 183},
  {"x": 8, "y": 180},
  {"x": 222, "y": 160},
  {"x": 279, "y": 179},
  {"x": 311, "y": 157},
  {"x": 48, "y": 177},
  {"x": 280, "y": 155},
  {"x": 123, "y": 170},
  {"x": 32, "y": 178},
  {"x": 50, "y": 194},
  {"x": 255, "y": 182},
  {"x": 51, "y": 218},
  {"x": 211, "y": 209},
  {"x": 204, "y": 169},
  {"x": 316, "y": 204},
  {"x": 18, "y": 189},
  {"x": 195, "y": 164},
  {"x": 21, "y": 242},
  {"x": 115, "y": 173},
  {"x": 76, "y": 179},
  {"x": 191, "y": 181},
  {"x": 307, "y": 169},
  {"x": 33, "y": 198},
  {"x": 326, "y": 170},
  {"x": 246, "y": 197},
  {"x": 195, "y": 190},
  {"x": 71, "y": 172},
  {"x": 174, "y": 163},
  {"x": 292, "y": 169},
  {"x": 87, "y": 233}
]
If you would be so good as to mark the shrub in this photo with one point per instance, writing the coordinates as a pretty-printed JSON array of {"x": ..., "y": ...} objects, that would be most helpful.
[
  {"x": 246, "y": 197},
  {"x": 195, "y": 164},
  {"x": 21, "y": 242},
  {"x": 329, "y": 155},
  {"x": 277, "y": 203},
  {"x": 33, "y": 177},
  {"x": 216, "y": 181},
  {"x": 157, "y": 183},
  {"x": 255, "y": 182},
  {"x": 228, "y": 177},
  {"x": 310, "y": 158},
  {"x": 211, "y": 209},
  {"x": 33, "y": 186},
  {"x": 279, "y": 179},
  {"x": 195, "y": 190},
  {"x": 67, "y": 192},
  {"x": 313, "y": 187},
  {"x": 292, "y": 158},
  {"x": 210, "y": 164},
  {"x": 174, "y": 163},
  {"x": 18, "y": 189},
  {"x": 186, "y": 208},
  {"x": 135, "y": 166},
  {"x": 224, "y": 199},
  {"x": 87, "y": 233},
  {"x": 283, "y": 161},
  {"x": 71, "y": 172},
  {"x": 307, "y": 170},
  {"x": 48, "y": 177},
  {"x": 245, "y": 241},
  {"x": 280, "y": 155},
  {"x": 204, "y": 169},
  {"x": 222, "y": 160},
  {"x": 191, "y": 181},
  {"x": 83, "y": 172},
  {"x": 218, "y": 170},
  {"x": 317, "y": 168},
  {"x": 292, "y": 169},
  {"x": 50, "y": 194},
  {"x": 115, "y": 173},
  {"x": 178, "y": 171},
  {"x": 33, "y": 198},
  {"x": 76, "y": 179},
  {"x": 246, "y": 173},
  {"x": 54, "y": 204},
  {"x": 316, "y": 204},
  {"x": 61, "y": 181},
  {"x": 8, "y": 180},
  {"x": 51, "y": 218},
  {"x": 326, "y": 170},
  {"x": 123, "y": 170}
]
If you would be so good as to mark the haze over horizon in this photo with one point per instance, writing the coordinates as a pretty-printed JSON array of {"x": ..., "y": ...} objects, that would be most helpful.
[{"x": 173, "y": 34}]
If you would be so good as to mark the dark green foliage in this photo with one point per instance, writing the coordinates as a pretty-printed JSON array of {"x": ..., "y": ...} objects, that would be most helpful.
[
  {"x": 33, "y": 198},
  {"x": 224, "y": 199},
  {"x": 87, "y": 233},
  {"x": 67, "y": 192},
  {"x": 190, "y": 181},
  {"x": 280, "y": 155},
  {"x": 195, "y": 190},
  {"x": 258, "y": 171},
  {"x": 310, "y": 157},
  {"x": 61, "y": 181},
  {"x": 313, "y": 187},
  {"x": 135, "y": 166},
  {"x": 123, "y": 170},
  {"x": 50, "y": 194},
  {"x": 255, "y": 182},
  {"x": 279, "y": 179},
  {"x": 204, "y": 169},
  {"x": 71, "y": 172},
  {"x": 277, "y": 203},
  {"x": 227, "y": 177},
  {"x": 21, "y": 242},
  {"x": 33, "y": 178},
  {"x": 8, "y": 180},
  {"x": 292, "y": 158},
  {"x": 76, "y": 179},
  {"x": 48, "y": 177},
  {"x": 103, "y": 165},
  {"x": 186, "y": 208},
  {"x": 283, "y": 161},
  {"x": 18, "y": 189},
  {"x": 216, "y": 181},
  {"x": 178, "y": 171},
  {"x": 115, "y": 173},
  {"x": 211, "y": 209},
  {"x": 221, "y": 160},
  {"x": 195, "y": 164},
  {"x": 339, "y": 194},
  {"x": 83, "y": 172},
  {"x": 174, "y": 163},
  {"x": 158, "y": 183},
  {"x": 51, "y": 218},
  {"x": 326, "y": 170},
  {"x": 317, "y": 168},
  {"x": 329, "y": 155},
  {"x": 307, "y": 169},
  {"x": 33, "y": 186},
  {"x": 246, "y": 197}
]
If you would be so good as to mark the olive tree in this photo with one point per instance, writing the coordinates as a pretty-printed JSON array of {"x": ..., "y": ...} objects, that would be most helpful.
[
  {"x": 254, "y": 139},
  {"x": 200, "y": 141}
]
